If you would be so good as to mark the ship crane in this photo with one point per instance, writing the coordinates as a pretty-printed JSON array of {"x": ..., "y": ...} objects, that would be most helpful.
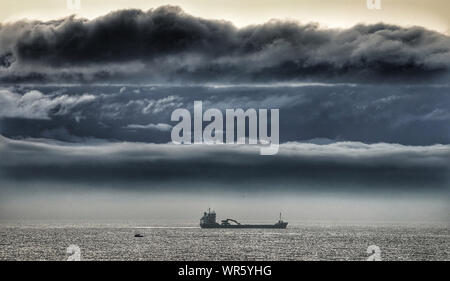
[{"x": 228, "y": 220}]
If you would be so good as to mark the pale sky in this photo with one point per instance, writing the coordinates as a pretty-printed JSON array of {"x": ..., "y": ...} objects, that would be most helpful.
[{"x": 432, "y": 14}]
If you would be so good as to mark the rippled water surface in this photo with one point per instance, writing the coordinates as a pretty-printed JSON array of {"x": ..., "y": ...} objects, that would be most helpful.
[{"x": 312, "y": 241}]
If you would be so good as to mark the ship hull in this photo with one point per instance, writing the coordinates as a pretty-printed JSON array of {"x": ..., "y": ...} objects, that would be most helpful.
[{"x": 272, "y": 226}]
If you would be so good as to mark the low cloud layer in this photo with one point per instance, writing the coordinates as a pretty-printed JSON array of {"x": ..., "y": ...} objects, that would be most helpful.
[
  {"x": 158, "y": 127},
  {"x": 167, "y": 45},
  {"x": 35, "y": 105},
  {"x": 344, "y": 165},
  {"x": 408, "y": 115}
]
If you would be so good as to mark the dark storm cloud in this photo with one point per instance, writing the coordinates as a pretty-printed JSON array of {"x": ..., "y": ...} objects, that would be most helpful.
[
  {"x": 167, "y": 44},
  {"x": 332, "y": 166}
]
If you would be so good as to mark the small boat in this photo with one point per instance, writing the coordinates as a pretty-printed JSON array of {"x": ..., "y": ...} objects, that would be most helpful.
[{"x": 138, "y": 235}]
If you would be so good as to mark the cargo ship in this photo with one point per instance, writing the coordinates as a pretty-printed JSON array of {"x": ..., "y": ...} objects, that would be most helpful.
[{"x": 209, "y": 221}]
